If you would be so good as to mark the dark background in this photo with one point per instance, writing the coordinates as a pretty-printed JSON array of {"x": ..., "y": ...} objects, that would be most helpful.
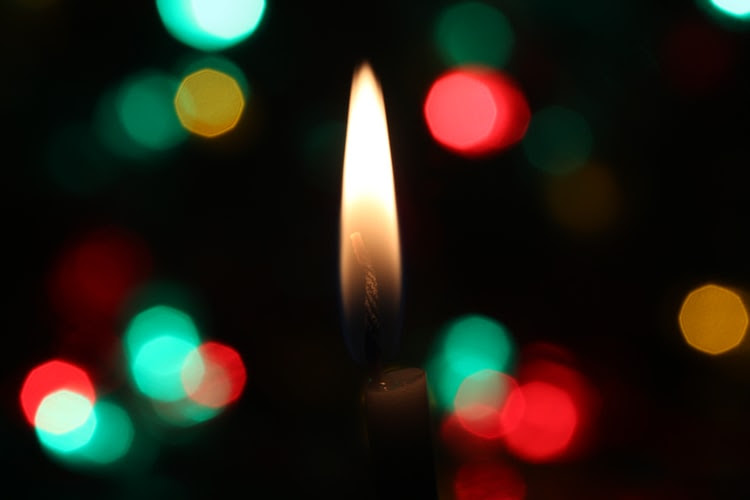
[{"x": 248, "y": 223}]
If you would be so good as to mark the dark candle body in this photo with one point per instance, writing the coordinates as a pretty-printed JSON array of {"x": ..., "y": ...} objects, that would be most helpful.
[{"x": 398, "y": 429}]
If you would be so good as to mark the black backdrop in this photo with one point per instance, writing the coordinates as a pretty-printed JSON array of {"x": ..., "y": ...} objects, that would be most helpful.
[{"x": 249, "y": 224}]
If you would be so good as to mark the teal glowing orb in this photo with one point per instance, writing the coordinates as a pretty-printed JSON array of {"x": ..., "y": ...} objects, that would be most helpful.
[
  {"x": 473, "y": 33},
  {"x": 739, "y": 9},
  {"x": 65, "y": 421},
  {"x": 469, "y": 345},
  {"x": 156, "y": 322},
  {"x": 146, "y": 112},
  {"x": 558, "y": 140},
  {"x": 112, "y": 438},
  {"x": 211, "y": 24},
  {"x": 157, "y": 367}
]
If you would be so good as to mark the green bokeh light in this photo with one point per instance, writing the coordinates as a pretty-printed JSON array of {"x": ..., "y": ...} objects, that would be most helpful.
[
  {"x": 211, "y": 24},
  {"x": 157, "y": 367},
  {"x": 156, "y": 322},
  {"x": 145, "y": 109},
  {"x": 468, "y": 345},
  {"x": 157, "y": 342},
  {"x": 558, "y": 140},
  {"x": 113, "y": 435},
  {"x": 739, "y": 9},
  {"x": 68, "y": 411},
  {"x": 473, "y": 33},
  {"x": 111, "y": 132}
]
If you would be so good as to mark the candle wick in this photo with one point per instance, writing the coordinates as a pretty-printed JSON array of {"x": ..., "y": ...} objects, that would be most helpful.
[{"x": 372, "y": 321}]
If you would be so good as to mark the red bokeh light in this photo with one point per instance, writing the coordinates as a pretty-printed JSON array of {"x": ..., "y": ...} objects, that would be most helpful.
[
  {"x": 482, "y": 404},
  {"x": 95, "y": 275},
  {"x": 476, "y": 111},
  {"x": 223, "y": 378},
  {"x": 488, "y": 481},
  {"x": 548, "y": 424},
  {"x": 698, "y": 57},
  {"x": 50, "y": 377}
]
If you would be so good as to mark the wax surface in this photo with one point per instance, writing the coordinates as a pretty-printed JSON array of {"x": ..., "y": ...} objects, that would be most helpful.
[{"x": 398, "y": 428}]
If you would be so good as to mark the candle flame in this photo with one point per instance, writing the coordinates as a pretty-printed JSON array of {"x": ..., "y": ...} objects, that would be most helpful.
[{"x": 369, "y": 240}]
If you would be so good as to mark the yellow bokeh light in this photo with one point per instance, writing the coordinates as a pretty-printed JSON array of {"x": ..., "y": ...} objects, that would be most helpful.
[
  {"x": 713, "y": 319},
  {"x": 585, "y": 201},
  {"x": 209, "y": 103}
]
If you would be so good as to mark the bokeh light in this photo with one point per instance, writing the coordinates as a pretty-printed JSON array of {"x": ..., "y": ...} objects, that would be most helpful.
[
  {"x": 97, "y": 272},
  {"x": 65, "y": 421},
  {"x": 586, "y": 201},
  {"x": 209, "y": 102},
  {"x": 158, "y": 342},
  {"x": 476, "y": 111},
  {"x": 158, "y": 365},
  {"x": 196, "y": 62},
  {"x": 558, "y": 140},
  {"x": 51, "y": 377},
  {"x": 473, "y": 33},
  {"x": 488, "y": 481},
  {"x": 560, "y": 407},
  {"x": 156, "y": 322},
  {"x": 62, "y": 411},
  {"x": 211, "y": 24},
  {"x": 739, "y": 9},
  {"x": 550, "y": 419},
  {"x": 468, "y": 345},
  {"x": 145, "y": 110},
  {"x": 481, "y": 404},
  {"x": 713, "y": 319},
  {"x": 214, "y": 375},
  {"x": 112, "y": 437}
]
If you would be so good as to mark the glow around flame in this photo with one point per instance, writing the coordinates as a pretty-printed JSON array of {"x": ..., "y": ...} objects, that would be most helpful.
[{"x": 368, "y": 206}]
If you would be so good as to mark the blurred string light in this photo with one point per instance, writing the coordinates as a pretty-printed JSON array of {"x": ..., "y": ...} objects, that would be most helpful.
[
  {"x": 52, "y": 377},
  {"x": 473, "y": 33},
  {"x": 65, "y": 421},
  {"x": 738, "y": 9},
  {"x": 158, "y": 342},
  {"x": 211, "y": 24},
  {"x": 559, "y": 409},
  {"x": 97, "y": 272},
  {"x": 214, "y": 375},
  {"x": 586, "y": 201},
  {"x": 197, "y": 62},
  {"x": 468, "y": 345},
  {"x": 188, "y": 382},
  {"x": 475, "y": 111},
  {"x": 113, "y": 437},
  {"x": 713, "y": 319},
  {"x": 483, "y": 405},
  {"x": 209, "y": 102},
  {"x": 488, "y": 480},
  {"x": 136, "y": 120},
  {"x": 548, "y": 424},
  {"x": 558, "y": 140}
]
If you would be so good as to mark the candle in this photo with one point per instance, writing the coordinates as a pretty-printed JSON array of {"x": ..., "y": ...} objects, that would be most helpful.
[{"x": 396, "y": 406}]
